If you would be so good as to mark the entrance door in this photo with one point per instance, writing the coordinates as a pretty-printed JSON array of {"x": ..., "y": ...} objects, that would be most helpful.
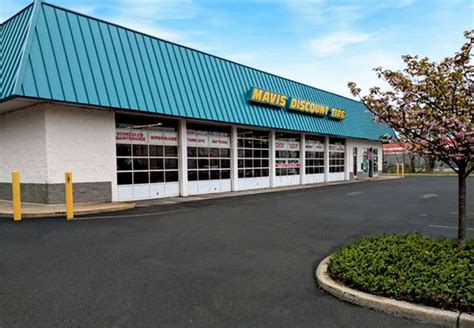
[
  {"x": 354, "y": 162},
  {"x": 371, "y": 162}
]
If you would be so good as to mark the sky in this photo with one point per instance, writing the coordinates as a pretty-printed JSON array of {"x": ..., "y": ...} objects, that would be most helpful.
[{"x": 323, "y": 43}]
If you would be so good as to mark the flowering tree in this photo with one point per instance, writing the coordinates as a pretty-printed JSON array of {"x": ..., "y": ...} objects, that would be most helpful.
[{"x": 431, "y": 106}]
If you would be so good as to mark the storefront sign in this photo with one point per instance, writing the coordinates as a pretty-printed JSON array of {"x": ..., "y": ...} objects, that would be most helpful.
[
  {"x": 314, "y": 145},
  {"x": 163, "y": 137},
  {"x": 160, "y": 137},
  {"x": 307, "y": 106},
  {"x": 281, "y": 144},
  {"x": 208, "y": 139},
  {"x": 337, "y": 148},
  {"x": 270, "y": 98},
  {"x": 131, "y": 136},
  {"x": 337, "y": 114},
  {"x": 267, "y": 97},
  {"x": 287, "y": 163}
]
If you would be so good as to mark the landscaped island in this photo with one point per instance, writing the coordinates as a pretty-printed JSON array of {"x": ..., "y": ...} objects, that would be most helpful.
[{"x": 410, "y": 267}]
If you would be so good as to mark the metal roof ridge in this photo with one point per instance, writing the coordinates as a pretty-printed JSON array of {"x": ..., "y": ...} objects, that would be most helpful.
[{"x": 26, "y": 46}]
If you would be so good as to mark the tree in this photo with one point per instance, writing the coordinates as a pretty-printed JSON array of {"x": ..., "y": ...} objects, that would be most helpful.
[{"x": 431, "y": 106}]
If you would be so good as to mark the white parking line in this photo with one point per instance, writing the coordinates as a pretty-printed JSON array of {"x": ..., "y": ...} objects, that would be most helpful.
[
  {"x": 353, "y": 193},
  {"x": 130, "y": 215},
  {"x": 428, "y": 196},
  {"x": 447, "y": 227}
]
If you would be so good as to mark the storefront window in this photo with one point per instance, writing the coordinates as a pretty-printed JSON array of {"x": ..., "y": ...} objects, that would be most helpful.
[
  {"x": 208, "y": 153},
  {"x": 314, "y": 163},
  {"x": 287, "y": 154},
  {"x": 253, "y": 150},
  {"x": 336, "y": 155},
  {"x": 147, "y": 151}
]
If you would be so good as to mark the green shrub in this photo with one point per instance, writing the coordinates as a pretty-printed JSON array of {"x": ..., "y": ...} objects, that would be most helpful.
[{"x": 409, "y": 267}]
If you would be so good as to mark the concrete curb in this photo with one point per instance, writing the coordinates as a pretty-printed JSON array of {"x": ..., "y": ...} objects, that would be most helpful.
[
  {"x": 106, "y": 208},
  {"x": 231, "y": 194},
  {"x": 391, "y": 306},
  {"x": 98, "y": 208}
]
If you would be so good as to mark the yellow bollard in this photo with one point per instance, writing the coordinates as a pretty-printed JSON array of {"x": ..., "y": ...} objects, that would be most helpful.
[
  {"x": 403, "y": 170},
  {"x": 16, "y": 195},
  {"x": 69, "y": 197},
  {"x": 398, "y": 171}
]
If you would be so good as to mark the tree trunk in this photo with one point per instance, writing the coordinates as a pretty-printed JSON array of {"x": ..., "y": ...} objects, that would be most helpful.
[
  {"x": 412, "y": 168},
  {"x": 429, "y": 163},
  {"x": 462, "y": 209}
]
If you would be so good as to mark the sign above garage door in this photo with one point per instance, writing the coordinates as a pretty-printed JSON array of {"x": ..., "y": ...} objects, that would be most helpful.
[{"x": 275, "y": 99}]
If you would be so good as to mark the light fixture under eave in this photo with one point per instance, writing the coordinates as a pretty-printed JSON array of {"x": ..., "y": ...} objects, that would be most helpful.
[{"x": 146, "y": 126}]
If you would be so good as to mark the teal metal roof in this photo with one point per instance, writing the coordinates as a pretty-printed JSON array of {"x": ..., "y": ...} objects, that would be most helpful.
[
  {"x": 70, "y": 57},
  {"x": 12, "y": 40}
]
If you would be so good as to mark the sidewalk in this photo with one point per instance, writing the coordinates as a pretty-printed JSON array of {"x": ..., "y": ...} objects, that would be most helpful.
[{"x": 32, "y": 210}]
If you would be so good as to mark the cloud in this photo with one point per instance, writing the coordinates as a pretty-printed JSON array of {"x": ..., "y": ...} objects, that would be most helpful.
[
  {"x": 404, "y": 3},
  {"x": 319, "y": 12},
  {"x": 159, "y": 9},
  {"x": 336, "y": 42}
]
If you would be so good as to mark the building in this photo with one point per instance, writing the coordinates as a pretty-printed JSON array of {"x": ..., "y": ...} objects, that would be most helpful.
[
  {"x": 136, "y": 117},
  {"x": 395, "y": 153}
]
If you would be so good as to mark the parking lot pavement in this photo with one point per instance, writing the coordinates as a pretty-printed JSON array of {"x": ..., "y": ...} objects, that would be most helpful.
[{"x": 236, "y": 262}]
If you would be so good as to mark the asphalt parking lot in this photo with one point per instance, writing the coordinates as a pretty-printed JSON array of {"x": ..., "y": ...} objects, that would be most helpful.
[{"x": 235, "y": 262}]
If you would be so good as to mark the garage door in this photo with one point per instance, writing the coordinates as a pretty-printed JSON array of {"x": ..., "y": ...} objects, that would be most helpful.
[
  {"x": 147, "y": 163},
  {"x": 208, "y": 160},
  {"x": 253, "y": 149}
]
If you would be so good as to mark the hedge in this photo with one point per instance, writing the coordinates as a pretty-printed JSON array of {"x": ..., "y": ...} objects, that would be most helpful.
[{"x": 409, "y": 267}]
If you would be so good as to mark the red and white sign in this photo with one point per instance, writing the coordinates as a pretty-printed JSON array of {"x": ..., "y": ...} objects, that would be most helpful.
[
  {"x": 337, "y": 148},
  {"x": 285, "y": 144},
  {"x": 394, "y": 149},
  {"x": 314, "y": 145},
  {"x": 287, "y": 163},
  {"x": 208, "y": 139},
  {"x": 131, "y": 136},
  {"x": 163, "y": 137}
]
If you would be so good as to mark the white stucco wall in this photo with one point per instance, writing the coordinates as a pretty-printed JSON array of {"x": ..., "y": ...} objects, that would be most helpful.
[
  {"x": 82, "y": 141},
  {"x": 361, "y": 146},
  {"x": 23, "y": 145},
  {"x": 45, "y": 141}
]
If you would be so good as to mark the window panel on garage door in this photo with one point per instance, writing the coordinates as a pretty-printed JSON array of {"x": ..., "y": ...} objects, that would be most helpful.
[
  {"x": 287, "y": 154},
  {"x": 208, "y": 153},
  {"x": 253, "y": 149},
  {"x": 336, "y": 155},
  {"x": 314, "y": 154},
  {"x": 146, "y": 153}
]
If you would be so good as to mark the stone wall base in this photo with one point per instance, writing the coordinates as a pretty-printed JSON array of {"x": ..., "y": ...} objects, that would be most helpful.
[{"x": 54, "y": 193}]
